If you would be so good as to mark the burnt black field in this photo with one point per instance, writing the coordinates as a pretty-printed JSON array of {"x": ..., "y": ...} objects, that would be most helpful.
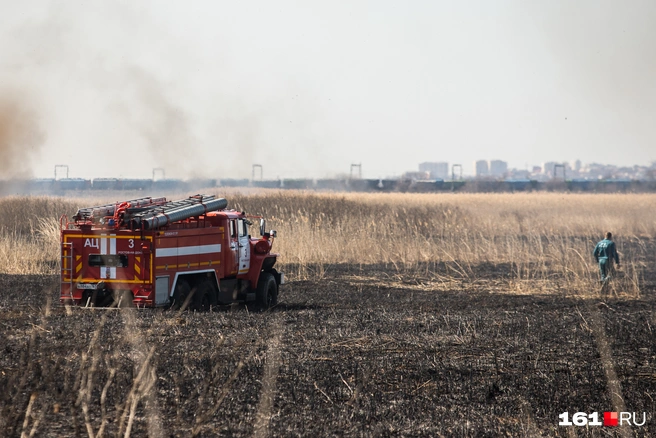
[{"x": 361, "y": 351}]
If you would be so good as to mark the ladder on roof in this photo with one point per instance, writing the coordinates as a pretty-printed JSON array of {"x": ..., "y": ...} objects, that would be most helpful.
[
  {"x": 143, "y": 209},
  {"x": 171, "y": 206},
  {"x": 67, "y": 267},
  {"x": 108, "y": 210}
]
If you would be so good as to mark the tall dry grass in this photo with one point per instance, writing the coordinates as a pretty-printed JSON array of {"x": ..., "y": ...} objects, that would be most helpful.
[
  {"x": 540, "y": 239},
  {"x": 29, "y": 233},
  {"x": 535, "y": 238}
]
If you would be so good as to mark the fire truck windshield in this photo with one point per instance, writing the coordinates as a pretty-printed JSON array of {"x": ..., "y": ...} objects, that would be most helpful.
[{"x": 111, "y": 260}]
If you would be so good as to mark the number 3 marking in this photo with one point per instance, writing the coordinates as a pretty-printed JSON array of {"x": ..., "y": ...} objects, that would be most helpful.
[{"x": 131, "y": 243}]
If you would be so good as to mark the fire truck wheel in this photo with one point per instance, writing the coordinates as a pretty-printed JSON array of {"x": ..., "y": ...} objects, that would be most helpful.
[
  {"x": 180, "y": 295},
  {"x": 267, "y": 291},
  {"x": 202, "y": 297}
]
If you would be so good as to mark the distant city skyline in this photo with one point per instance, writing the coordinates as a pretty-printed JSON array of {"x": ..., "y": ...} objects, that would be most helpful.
[
  {"x": 440, "y": 170},
  {"x": 499, "y": 169}
]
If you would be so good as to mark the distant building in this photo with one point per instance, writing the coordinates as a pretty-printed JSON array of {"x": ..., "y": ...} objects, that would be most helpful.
[
  {"x": 498, "y": 168},
  {"x": 416, "y": 175},
  {"x": 481, "y": 168},
  {"x": 553, "y": 169},
  {"x": 574, "y": 169},
  {"x": 518, "y": 174},
  {"x": 599, "y": 171},
  {"x": 439, "y": 170},
  {"x": 548, "y": 168}
]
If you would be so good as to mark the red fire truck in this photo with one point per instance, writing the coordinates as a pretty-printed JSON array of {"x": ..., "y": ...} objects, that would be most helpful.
[{"x": 149, "y": 252}]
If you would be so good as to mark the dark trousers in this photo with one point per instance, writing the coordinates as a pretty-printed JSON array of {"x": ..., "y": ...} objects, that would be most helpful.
[{"x": 605, "y": 267}]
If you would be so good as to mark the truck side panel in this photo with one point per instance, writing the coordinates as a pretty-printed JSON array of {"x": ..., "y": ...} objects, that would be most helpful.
[
  {"x": 188, "y": 251},
  {"x": 115, "y": 259}
]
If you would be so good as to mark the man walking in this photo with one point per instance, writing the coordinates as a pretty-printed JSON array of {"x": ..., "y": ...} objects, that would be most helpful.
[{"x": 604, "y": 253}]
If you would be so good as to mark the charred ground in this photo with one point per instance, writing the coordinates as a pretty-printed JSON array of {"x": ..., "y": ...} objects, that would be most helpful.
[{"x": 363, "y": 350}]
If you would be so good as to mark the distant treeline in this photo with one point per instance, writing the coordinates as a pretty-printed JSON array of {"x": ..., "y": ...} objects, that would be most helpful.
[{"x": 59, "y": 186}]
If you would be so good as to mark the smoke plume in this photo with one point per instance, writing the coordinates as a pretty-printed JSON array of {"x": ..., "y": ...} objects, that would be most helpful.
[
  {"x": 162, "y": 124},
  {"x": 21, "y": 137}
]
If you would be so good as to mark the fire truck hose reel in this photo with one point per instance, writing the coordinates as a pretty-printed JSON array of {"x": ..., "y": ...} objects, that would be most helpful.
[{"x": 183, "y": 213}]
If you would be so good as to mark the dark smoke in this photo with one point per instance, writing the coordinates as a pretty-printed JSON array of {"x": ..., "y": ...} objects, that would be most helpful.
[
  {"x": 21, "y": 137},
  {"x": 116, "y": 82}
]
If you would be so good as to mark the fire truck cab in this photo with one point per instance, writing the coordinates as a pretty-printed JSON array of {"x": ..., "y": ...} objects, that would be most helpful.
[{"x": 150, "y": 252}]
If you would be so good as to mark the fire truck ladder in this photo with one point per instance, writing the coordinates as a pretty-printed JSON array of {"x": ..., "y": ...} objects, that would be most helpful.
[
  {"x": 67, "y": 266},
  {"x": 171, "y": 206},
  {"x": 108, "y": 210},
  {"x": 158, "y": 216}
]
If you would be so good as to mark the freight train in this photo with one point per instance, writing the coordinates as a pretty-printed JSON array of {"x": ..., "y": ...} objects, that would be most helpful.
[{"x": 51, "y": 186}]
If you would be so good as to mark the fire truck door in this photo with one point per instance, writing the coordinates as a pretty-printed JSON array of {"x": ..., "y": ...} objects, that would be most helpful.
[
  {"x": 233, "y": 257},
  {"x": 244, "y": 246}
]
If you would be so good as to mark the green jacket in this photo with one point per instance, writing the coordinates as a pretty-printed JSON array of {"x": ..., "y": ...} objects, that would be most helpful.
[{"x": 606, "y": 250}]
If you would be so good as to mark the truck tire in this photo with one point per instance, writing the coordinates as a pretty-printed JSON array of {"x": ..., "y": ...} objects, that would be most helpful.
[
  {"x": 180, "y": 295},
  {"x": 266, "y": 295},
  {"x": 203, "y": 297}
]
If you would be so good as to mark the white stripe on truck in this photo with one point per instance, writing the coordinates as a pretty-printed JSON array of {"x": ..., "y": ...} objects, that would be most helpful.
[
  {"x": 112, "y": 250},
  {"x": 187, "y": 250}
]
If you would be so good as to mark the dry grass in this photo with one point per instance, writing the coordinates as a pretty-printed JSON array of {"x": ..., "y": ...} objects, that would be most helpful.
[
  {"x": 542, "y": 240},
  {"x": 29, "y": 233},
  {"x": 126, "y": 373}
]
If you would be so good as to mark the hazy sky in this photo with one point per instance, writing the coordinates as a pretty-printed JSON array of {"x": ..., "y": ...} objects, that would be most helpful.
[{"x": 308, "y": 88}]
